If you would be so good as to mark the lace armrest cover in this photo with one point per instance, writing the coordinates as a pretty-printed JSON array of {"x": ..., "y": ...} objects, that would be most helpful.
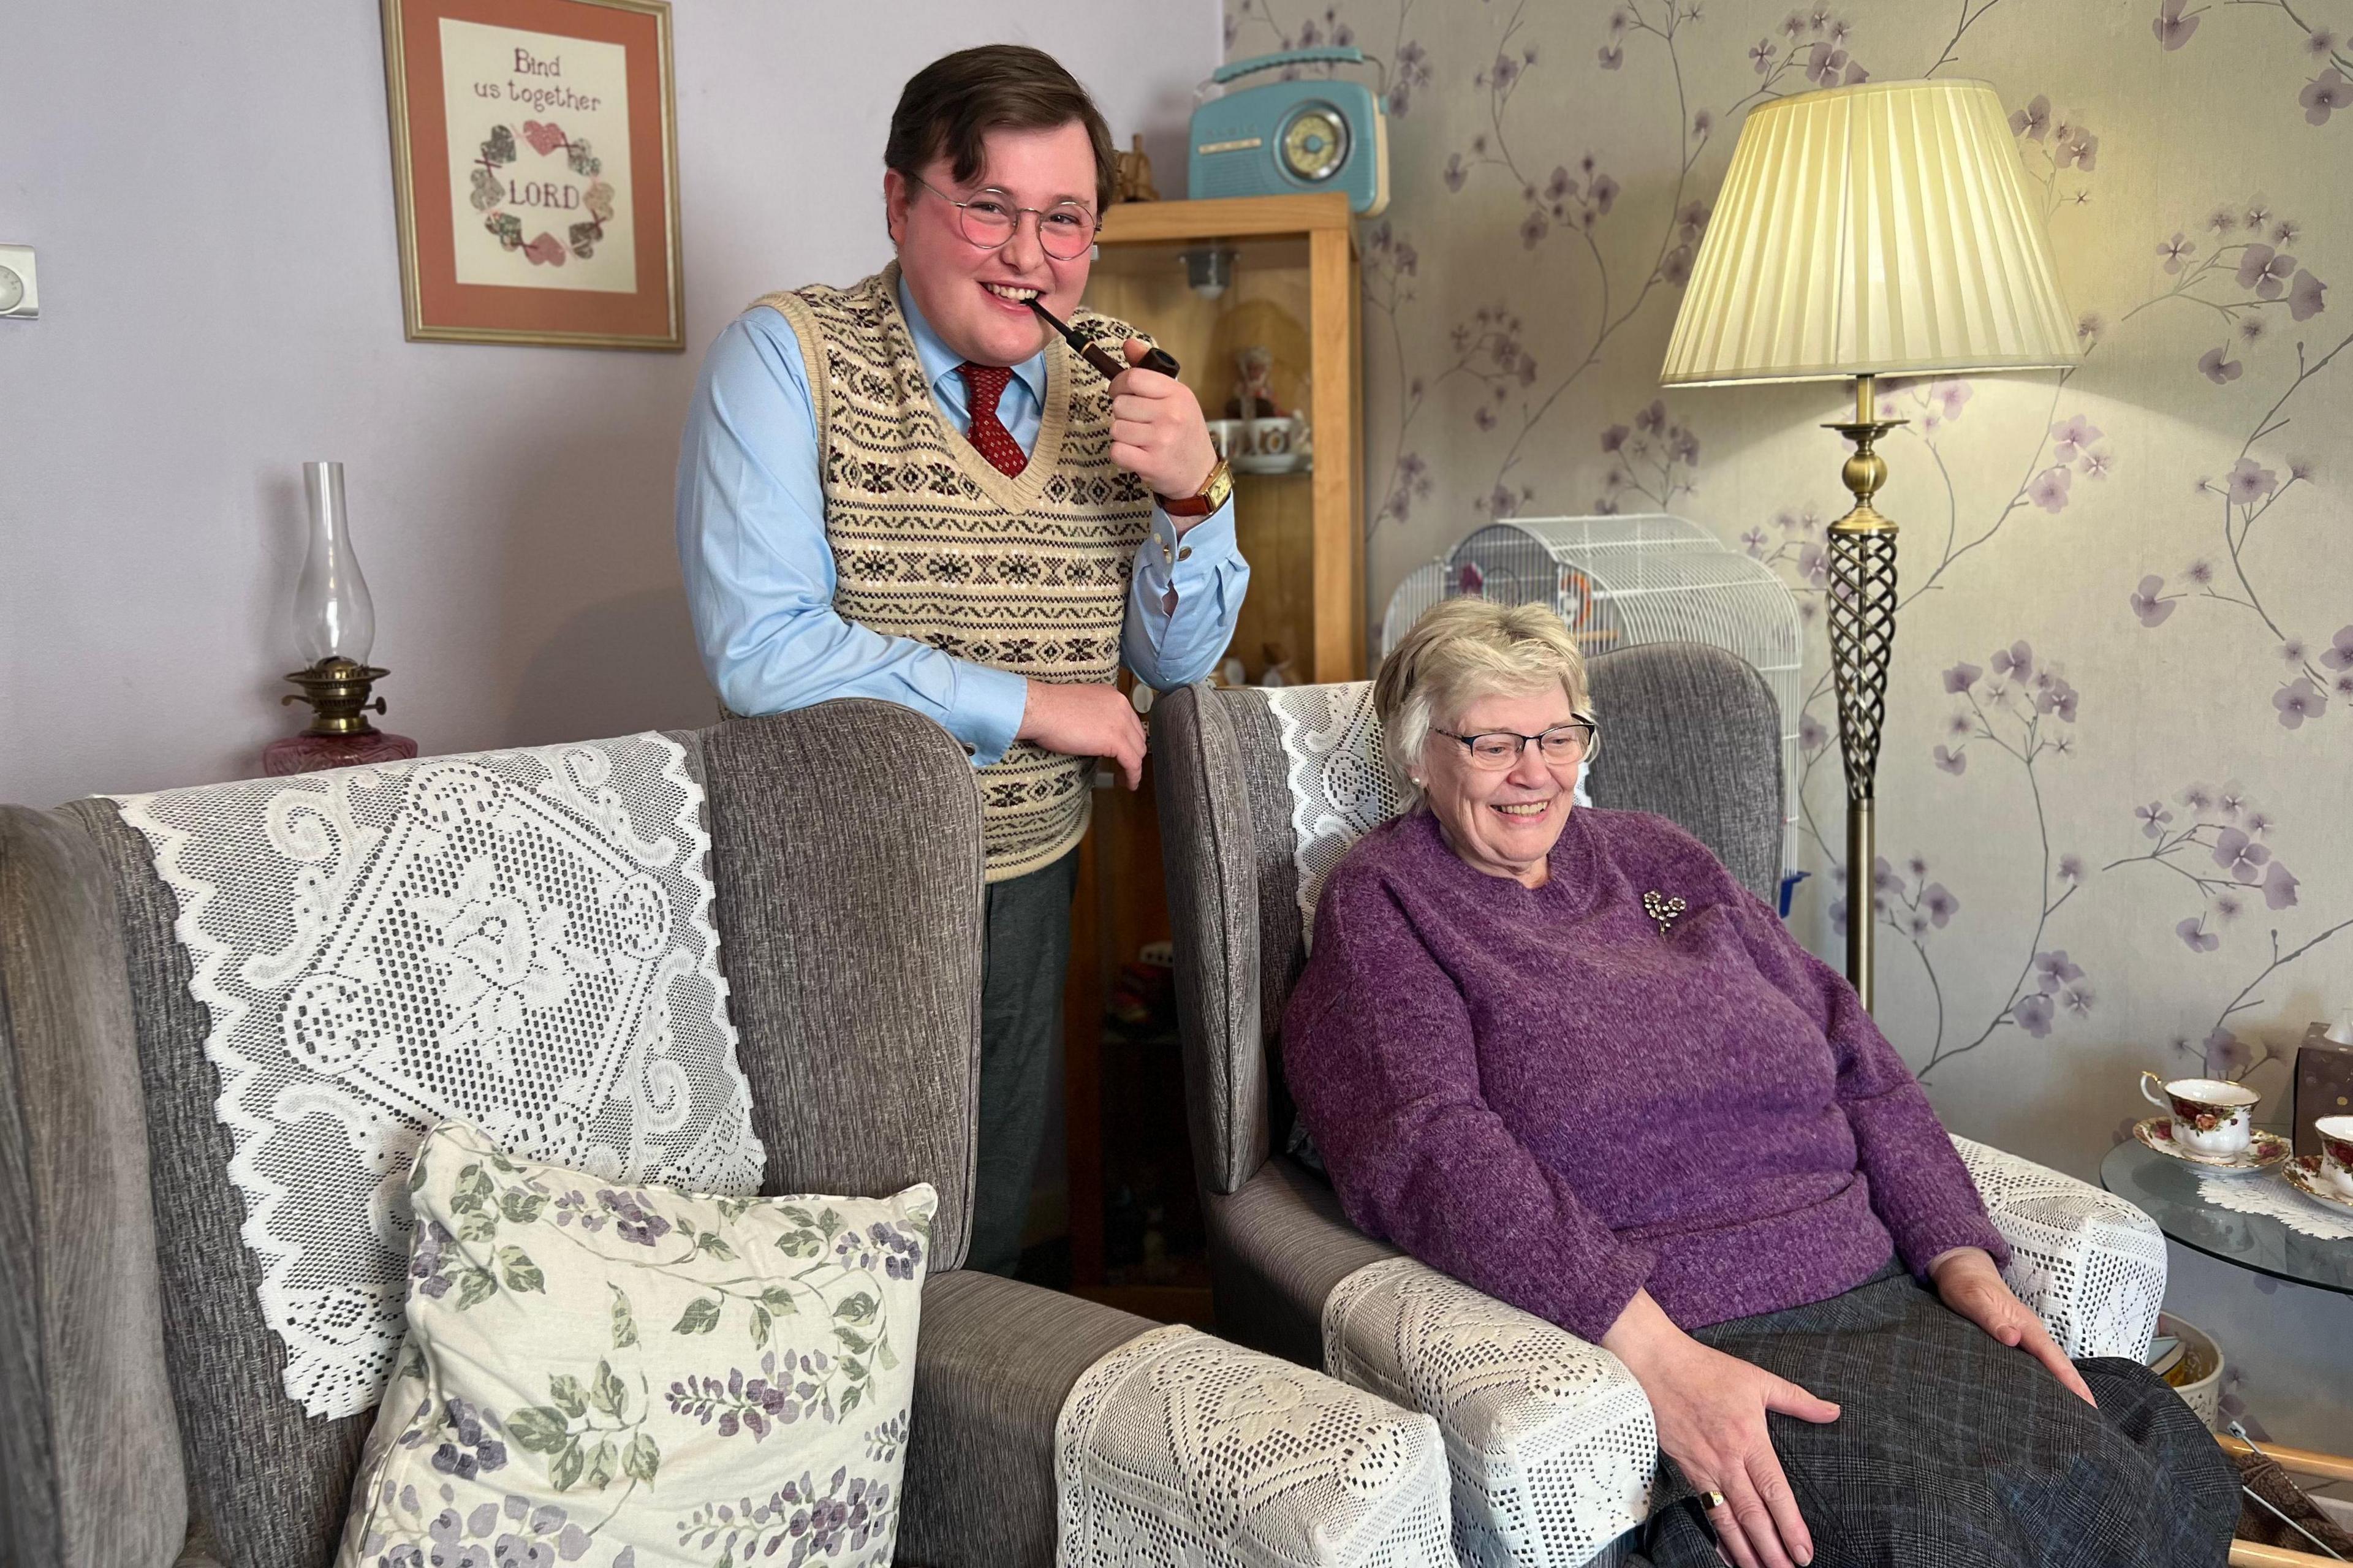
[
  {"x": 1178, "y": 1450},
  {"x": 2091, "y": 1265},
  {"x": 1549, "y": 1439}
]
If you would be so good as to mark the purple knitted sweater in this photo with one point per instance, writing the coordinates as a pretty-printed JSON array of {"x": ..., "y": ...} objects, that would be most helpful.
[{"x": 1537, "y": 1092}]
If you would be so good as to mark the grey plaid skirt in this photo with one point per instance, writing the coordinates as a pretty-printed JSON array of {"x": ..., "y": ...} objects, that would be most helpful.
[{"x": 1952, "y": 1449}]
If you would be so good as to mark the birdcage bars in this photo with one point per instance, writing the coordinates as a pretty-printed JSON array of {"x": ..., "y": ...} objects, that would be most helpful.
[{"x": 1623, "y": 580}]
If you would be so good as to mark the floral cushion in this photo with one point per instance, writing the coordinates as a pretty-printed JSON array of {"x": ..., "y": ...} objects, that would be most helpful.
[{"x": 625, "y": 1376}]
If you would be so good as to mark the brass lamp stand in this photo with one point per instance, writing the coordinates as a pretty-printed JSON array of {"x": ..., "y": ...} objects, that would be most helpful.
[{"x": 1862, "y": 640}]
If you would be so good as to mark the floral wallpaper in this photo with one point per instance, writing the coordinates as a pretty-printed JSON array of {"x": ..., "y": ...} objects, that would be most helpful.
[{"x": 2113, "y": 790}]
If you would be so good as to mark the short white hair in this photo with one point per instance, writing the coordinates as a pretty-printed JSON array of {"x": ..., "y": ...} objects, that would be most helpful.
[{"x": 1462, "y": 650}]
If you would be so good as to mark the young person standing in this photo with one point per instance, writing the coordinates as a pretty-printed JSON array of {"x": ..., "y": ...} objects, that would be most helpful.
[{"x": 908, "y": 489}]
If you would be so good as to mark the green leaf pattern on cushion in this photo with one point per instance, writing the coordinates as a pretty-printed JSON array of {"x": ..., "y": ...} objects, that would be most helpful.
[{"x": 597, "y": 1375}]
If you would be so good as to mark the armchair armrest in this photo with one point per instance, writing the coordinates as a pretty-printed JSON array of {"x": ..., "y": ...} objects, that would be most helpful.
[
  {"x": 1178, "y": 1450},
  {"x": 1550, "y": 1440},
  {"x": 2090, "y": 1265},
  {"x": 995, "y": 1361}
]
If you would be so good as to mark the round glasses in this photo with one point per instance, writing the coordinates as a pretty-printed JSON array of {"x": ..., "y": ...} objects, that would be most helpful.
[
  {"x": 1065, "y": 230},
  {"x": 1496, "y": 750}
]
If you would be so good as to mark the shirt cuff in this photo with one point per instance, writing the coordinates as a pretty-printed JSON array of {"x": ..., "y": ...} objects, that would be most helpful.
[
  {"x": 987, "y": 709},
  {"x": 1188, "y": 563}
]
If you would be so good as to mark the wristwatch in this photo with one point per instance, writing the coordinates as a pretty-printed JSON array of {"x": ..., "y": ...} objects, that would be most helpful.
[{"x": 1213, "y": 493}]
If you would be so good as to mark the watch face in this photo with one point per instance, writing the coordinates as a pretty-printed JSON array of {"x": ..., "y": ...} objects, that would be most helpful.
[
  {"x": 1315, "y": 143},
  {"x": 11, "y": 289}
]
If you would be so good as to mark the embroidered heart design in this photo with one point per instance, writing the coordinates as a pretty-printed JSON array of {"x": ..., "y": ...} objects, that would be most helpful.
[
  {"x": 547, "y": 249},
  {"x": 543, "y": 139}
]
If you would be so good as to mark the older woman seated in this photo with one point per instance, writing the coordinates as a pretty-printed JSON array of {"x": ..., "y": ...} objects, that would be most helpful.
[{"x": 1564, "y": 1057}]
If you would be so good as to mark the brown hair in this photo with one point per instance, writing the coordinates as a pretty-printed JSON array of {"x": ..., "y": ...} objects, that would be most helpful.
[{"x": 951, "y": 104}]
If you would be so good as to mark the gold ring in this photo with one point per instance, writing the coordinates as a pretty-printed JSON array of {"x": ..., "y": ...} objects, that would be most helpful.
[{"x": 1712, "y": 1500}]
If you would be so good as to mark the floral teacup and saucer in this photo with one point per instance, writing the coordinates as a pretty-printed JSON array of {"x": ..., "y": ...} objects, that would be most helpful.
[{"x": 2212, "y": 1125}]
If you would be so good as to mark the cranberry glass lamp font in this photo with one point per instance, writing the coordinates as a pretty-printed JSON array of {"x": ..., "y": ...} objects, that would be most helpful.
[{"x": 334, "y": 630}]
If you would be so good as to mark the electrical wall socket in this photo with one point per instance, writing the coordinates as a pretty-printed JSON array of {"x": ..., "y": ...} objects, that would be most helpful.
[{"x": 20, "y": 298}]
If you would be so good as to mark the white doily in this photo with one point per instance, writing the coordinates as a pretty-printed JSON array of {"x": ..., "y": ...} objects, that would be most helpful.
[
  {"x": 1177, "y": 1450},
  {"x": 1340, "y": 786},
  {"x": 2090, "y": 1265},
  {"x": 2273, "y": 1197},
  {"x": 1550, "y": 1440},
  {"x": 519, "y": 938}
]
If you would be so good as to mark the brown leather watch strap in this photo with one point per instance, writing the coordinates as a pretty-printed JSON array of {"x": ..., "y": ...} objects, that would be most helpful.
[{"x": 1213, "y": 492}]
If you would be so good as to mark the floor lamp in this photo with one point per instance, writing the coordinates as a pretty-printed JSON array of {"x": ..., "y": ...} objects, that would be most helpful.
[{"x": 1885, "y": 230}]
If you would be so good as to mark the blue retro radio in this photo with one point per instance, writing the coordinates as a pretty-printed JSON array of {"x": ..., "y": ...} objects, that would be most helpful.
[{"x": 1287, "y": 137}]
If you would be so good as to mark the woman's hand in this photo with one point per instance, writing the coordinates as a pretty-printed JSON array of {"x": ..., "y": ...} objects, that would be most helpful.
[
  {"x": 1710, "y": 1408},
  {"x": 1970, "y": 1284}
]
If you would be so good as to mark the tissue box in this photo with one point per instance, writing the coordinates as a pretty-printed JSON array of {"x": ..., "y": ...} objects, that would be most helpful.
[{"x": 2324, "y": 1084}]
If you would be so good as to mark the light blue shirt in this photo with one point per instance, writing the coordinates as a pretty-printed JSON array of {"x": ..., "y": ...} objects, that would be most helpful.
[{"x": 760, "y": 576}]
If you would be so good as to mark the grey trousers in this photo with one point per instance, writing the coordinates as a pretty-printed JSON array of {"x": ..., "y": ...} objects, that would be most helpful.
[
  {"x": 1026, "y": 953},
  {"x": 1952, "y": 1449}
]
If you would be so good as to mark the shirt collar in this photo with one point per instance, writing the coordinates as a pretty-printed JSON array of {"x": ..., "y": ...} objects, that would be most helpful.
[{"x": 940, "y": 362}]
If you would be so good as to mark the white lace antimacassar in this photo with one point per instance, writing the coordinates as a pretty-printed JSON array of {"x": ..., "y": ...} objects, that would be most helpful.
[
  {"x": 521, "y": 938},
  {"x": 1550, "y": 1440},
  {"x": 1177, "y": 1450},
  {"x": 1341, "y": 785},
  {"x": 2271, "y": 1197},
  {"x": 2090, "y": 1265}
]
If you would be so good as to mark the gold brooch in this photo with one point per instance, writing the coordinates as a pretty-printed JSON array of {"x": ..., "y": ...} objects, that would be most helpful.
[{"x": 1663, "y": 910}]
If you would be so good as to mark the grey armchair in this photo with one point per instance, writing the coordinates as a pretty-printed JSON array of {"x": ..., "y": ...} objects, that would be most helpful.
[
  {"x": 143, "y": 1418},
  {"x": 1549, "y": 1439}
]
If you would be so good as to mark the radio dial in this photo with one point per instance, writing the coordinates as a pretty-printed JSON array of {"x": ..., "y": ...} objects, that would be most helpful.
[{"x": 1315, "y": 143}]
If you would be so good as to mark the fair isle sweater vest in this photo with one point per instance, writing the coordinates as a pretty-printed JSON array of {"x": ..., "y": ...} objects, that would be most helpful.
[{"x": 1027, "y": 575}]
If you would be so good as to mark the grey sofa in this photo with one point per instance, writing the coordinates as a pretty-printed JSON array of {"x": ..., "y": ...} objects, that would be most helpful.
[
  {"x": 142, "y": 1414},
  {"x": 1530, "y": 1415}
]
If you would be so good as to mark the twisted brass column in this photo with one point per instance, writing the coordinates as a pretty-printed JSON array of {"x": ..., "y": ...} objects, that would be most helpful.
[{"x": 1861, "y": 615}]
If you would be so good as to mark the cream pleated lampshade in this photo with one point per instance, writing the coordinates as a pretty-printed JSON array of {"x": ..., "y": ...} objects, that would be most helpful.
[{"x": 1885, "y": 230}]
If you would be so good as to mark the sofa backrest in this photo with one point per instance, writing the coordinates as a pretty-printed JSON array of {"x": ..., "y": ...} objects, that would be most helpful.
[
  {"x": 846, "y": 851},
  {"x": 86, "y": 1408},
  {"x": 846, "y": 864},
  {"x": 1254, "y": 804}
]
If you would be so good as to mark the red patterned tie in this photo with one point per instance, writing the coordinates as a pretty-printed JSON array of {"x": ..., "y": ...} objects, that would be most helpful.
[{"x": 984, "y": 384}]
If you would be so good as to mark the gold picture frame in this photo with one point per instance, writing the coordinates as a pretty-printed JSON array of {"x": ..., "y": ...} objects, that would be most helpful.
[{"x": 559, "y": 231}]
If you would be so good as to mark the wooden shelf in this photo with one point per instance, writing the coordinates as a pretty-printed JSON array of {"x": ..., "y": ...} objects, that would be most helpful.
[
  {"x": 1226, "y": 217},
  {"x": 1295, "y": 289}
]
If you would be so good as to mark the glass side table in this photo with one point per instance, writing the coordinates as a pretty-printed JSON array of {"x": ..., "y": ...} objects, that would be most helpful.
[{"x": 2167, "y": 1190}]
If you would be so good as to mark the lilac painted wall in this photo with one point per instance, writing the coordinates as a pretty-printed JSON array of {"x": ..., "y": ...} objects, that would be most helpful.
[{"x": 209, "y": 191}]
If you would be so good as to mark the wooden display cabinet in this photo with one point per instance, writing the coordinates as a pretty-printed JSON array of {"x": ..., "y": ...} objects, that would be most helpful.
[{"x": 1295, "y": 289}]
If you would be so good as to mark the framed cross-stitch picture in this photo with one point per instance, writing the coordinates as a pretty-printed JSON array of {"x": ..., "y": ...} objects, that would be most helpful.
[{"x": 535, "y": 170}]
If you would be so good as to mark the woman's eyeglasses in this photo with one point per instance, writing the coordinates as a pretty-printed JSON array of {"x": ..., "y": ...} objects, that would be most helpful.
[
  {"x": 1066, "y": 229},
  {"x": 1496, "y": 750}
]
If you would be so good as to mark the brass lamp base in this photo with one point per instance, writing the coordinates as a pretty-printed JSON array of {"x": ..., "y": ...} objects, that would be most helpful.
[
  {"x": 337, "y": 691},
  {"x": 1861, "y": 615}
]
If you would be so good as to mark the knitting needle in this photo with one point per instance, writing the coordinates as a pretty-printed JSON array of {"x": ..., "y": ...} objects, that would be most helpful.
[
  {"x": 2239, "y": 1430},
  {"x": 1096, "y": 356}
]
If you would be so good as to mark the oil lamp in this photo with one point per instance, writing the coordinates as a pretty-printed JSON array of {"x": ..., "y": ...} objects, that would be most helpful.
[{"x": 334, "y": 631}]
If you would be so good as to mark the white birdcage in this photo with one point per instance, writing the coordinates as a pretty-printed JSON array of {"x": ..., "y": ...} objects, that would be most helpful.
[
  {"x": 1619, "y": 581},
  {"x": 1423, "y": 586}
]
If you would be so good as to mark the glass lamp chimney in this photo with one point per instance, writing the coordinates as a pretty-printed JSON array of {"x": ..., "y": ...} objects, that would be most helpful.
[{"x": 333, "y": 616}]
